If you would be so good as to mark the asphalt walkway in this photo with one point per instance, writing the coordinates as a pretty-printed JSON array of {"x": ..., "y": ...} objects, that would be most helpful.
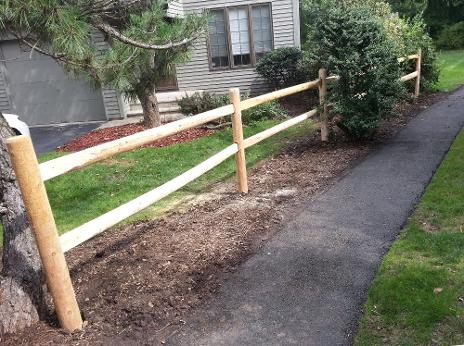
[{"x": 308, "y": 284}]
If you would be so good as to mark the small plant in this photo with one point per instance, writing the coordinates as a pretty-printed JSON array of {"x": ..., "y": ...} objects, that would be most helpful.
[
  {"x": 201, "y": 102},
  {"x": 268, "y": 110},
  {"x": 280, "y": 67},
  {"x": 451, "y": 37}
]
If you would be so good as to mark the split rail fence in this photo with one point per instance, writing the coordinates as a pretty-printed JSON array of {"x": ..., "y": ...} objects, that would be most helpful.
[{"x": 31, "y": 177}]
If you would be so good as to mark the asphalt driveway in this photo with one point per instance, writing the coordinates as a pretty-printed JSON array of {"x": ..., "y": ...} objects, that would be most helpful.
[{"x": 48, "y": 138}]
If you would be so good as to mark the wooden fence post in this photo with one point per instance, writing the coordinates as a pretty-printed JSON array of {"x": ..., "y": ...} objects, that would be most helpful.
[
  {"x": 419, "y": 71},
  {"x": 324, "y": 112},
  {"x": 43, "y": 224},
  {"x": 237, "y": 128}
]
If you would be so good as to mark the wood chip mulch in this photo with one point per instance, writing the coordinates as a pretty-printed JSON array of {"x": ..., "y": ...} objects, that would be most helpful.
[{"x": 100, "y": 136}]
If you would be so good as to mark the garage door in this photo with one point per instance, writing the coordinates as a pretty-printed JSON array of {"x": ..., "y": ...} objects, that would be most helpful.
[{"x": 41, "y": 93}]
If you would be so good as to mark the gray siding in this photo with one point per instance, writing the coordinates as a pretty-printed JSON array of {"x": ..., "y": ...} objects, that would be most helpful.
[
  {"x": 196, "y": 74},
  {"x": 112, "y": 102},
  {"x": 4, "y": 98}
]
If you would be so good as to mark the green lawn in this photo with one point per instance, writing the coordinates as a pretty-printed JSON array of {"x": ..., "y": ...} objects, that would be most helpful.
[
  {"x": 418, "y": 295},
  {"x": 452, "y": 70},
  {"x": 82, "y": 195}
]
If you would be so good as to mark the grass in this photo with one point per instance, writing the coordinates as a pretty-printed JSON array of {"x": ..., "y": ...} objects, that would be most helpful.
[
  {"x": 452, "y": 70},
  {"x": 82, "y": 195},
  {"x": 418, "y": 296}
]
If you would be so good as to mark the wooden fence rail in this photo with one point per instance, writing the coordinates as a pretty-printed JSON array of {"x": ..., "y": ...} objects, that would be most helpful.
[{"x": 31, "y": 177}]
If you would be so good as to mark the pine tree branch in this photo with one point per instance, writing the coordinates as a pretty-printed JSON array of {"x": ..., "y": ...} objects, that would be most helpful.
[
  {"x": 56, "y": 56},
  {"x": 109, "y": 30}
]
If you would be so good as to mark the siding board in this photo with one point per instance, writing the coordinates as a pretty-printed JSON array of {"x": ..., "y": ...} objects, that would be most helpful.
[
  {"x": 4, "y": 98},
  {"x": 174, "y": 9},
  {"x": 114, "y": 107}
]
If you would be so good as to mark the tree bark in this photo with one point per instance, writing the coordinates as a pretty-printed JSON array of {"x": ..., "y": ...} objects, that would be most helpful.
[
  {"x": 149, "y": 102},
  {"x": 22, "y": 296}
]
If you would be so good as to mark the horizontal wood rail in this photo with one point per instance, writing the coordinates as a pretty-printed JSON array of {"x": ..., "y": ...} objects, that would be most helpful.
[
  {"x": 92, "y": 228},
  {"x": 255, "y": 101},
  {"x": 333, "y": 78},
  {"x": 409, "y": 57},
  {"x": 65, "y": 164},
  {"x": 62, "y": 165},
  {"x": 410, "y": 76},
  {"x": 31, "y": 177},
  {"x": 278, "y": 128}
]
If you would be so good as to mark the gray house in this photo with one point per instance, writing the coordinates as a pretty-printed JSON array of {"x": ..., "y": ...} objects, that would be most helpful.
[{"x": 240, "y": 33}]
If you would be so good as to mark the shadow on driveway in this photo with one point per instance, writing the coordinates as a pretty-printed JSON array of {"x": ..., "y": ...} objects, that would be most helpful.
[{"x": 48, "y": 138}]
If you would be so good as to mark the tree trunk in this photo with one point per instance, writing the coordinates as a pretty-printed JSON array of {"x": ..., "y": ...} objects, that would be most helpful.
[
  {"x": 149, "y": 102},
  {"x": 22, "y": 298}
]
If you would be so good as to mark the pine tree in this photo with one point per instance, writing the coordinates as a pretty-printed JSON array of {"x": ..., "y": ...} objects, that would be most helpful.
[{"x": 143, "y": 44}]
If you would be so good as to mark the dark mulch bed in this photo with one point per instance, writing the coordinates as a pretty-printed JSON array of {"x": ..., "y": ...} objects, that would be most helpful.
[
  {"x": 138, "y": 283},
  {"x": 100, "y": 136}
]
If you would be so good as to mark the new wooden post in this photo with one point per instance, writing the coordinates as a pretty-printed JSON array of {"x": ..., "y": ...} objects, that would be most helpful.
[
  {"x": 40, "y": 215},
  {"x": 418, "y": 69},
  {"x": 237, "y": 129},
  {"x": 324, "y": 112}
]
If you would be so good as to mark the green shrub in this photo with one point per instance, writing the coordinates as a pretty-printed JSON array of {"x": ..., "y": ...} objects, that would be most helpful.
[
  {"x": 352, "y": 43},
  {"x": 451, "y": 37},
  {"x": 198, "y": 103},
  {"x": 201, "y": 102},
  {"x": 280, "y": 67}
]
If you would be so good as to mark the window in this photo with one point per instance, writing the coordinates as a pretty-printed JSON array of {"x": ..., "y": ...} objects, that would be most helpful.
[
  {"x": 262, "y": 32},
  {"x": 218, "y": 40},
  {"x": 239, "y": 36}
]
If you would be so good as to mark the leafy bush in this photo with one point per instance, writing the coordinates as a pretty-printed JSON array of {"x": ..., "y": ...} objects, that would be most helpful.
[
  {"x": 352, "y": 43},
  {"x": 198, "y": 103},
  {"x": 280, "y": 67},
  {"x": 201, "y": 102},
  {"x": 451, "y": 37}
]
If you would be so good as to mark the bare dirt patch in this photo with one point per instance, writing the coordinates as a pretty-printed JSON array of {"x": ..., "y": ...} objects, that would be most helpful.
[{"x": 136, "y": 284}]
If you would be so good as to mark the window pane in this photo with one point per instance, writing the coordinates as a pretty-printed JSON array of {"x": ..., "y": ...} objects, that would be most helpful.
[
  {"x": 240, "y": 36},
  {"x": 262, "y": 32},
  {"x": 218, "y": 41}
]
